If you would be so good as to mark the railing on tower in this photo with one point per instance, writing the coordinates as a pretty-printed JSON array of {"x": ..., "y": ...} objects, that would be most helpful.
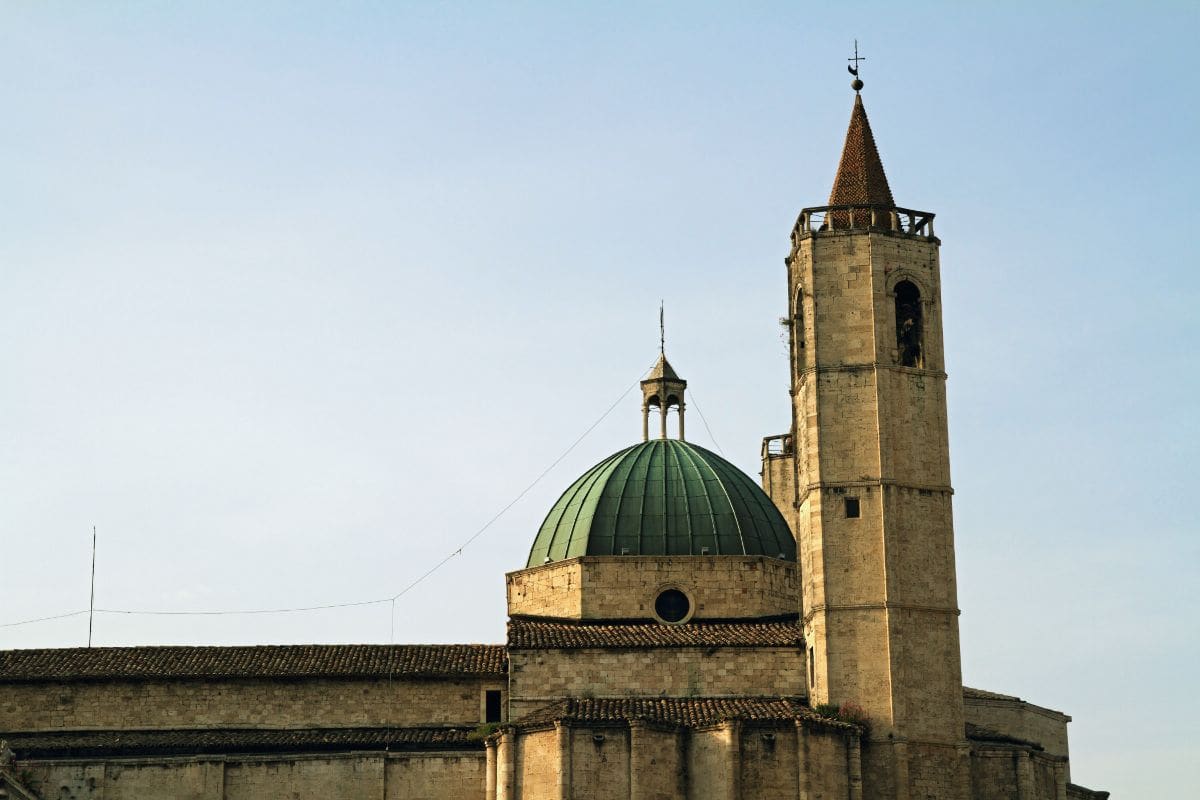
[
  {"x": 820, "y": 219},
  {"x": 777, "y": 446}
]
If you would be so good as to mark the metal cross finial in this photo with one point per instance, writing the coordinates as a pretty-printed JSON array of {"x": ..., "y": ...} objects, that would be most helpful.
[
  {"x": 857, "y": 58},
  {"x": 857, "y": 83}
]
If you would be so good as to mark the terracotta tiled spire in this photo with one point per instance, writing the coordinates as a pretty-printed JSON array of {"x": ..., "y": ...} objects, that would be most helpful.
[{"x": 860, "y": 177}]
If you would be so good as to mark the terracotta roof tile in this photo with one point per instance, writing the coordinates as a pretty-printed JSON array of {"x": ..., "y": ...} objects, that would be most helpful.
[
  {"x": 686, "y": 712},
  {"x": 275, "y": 661},
  {"x": 217, "y": 741},
  {"x": 860, "y": 177},
  {"x": 524, "y": 634}
]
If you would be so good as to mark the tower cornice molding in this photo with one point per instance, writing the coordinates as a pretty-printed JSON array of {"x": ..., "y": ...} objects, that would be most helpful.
[
  {"x": 871, "y": 365},
  {"x": 887, "y": 605},
  {"x": 866, "y": 483}
]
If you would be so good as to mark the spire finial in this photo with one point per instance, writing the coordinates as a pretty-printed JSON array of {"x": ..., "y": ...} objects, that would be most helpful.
[
  {"x": 856, "y": 84},
  {"x": 662, "y": 331}
]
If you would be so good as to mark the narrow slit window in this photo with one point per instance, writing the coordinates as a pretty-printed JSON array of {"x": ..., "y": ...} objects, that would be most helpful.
[
  {"x": 491, "y": 705},
  {"x": 852, "y": 509},
  {"x": 798, "y": 319}
]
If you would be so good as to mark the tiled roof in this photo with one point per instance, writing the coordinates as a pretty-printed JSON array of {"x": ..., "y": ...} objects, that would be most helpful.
[
  {"x": 681, "y": 711},
  {"x": 860, "y": 177},
  {"x": 662, "y": 371},
  {"x": 285, "y": 661},
  {"x": 219, "y": 741},
  {"x": 524, "y": 634}
]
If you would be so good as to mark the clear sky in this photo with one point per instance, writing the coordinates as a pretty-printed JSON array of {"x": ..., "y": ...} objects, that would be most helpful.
[{"x": 295, "y": 297}]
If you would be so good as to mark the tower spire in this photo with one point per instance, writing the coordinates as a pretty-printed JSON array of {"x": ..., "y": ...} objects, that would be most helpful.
[{"x": 860, "y": 177}]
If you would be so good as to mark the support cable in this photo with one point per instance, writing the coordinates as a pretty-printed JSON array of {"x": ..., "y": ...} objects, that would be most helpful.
[
  {"x": 692, "y": 394},
  {"x": 378, "y": 601}
]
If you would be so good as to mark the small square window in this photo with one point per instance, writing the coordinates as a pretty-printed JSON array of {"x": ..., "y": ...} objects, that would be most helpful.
[{"x": 852, "y": 510}]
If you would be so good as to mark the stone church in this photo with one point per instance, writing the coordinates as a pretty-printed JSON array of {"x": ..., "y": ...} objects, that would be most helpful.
[{"x": 678, "y": 631}]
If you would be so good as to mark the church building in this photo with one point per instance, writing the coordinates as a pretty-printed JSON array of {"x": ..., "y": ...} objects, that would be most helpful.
[{"x": 679, "y": 630}]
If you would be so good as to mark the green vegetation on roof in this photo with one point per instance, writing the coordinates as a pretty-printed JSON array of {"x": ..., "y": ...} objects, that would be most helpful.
[{"x": 663, "y": 497}]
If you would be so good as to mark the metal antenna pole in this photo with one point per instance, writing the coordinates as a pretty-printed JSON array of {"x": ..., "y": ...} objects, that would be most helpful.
[
  {"x": 662, "y": 330},
  {"x": 92, "y": 602}
]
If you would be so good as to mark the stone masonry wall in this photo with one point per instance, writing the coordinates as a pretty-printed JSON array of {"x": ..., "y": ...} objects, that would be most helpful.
[
  {"x": 826, "y": 765},
  {"x": 708, "y": 766},
  {"x": 1020, "y": 720},
  {"x": 625, "y": 587},
  {"x": 1016, "y": 773},
  {"x": 543, "y": 676},
  {"x": 403, "y": 776},
  {"x": 657, "y": 771},
  {"x": 241, "y": 703},
  {"x": 769, "y": 763},
  {"x": 538, "y": 764},
  {"x": 599, "y": 764},
  {"x": 551, "y": 590}
]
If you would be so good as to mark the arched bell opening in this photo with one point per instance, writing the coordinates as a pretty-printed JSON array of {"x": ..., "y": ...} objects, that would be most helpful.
[
  {"x": 910, "y": 325},
  {"x": 654, "y": 402}
]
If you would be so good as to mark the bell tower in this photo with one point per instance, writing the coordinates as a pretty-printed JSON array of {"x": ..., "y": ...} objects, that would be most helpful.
[
  {"x": 662, "y": 390},
  {"x": 863, "y": 476}
]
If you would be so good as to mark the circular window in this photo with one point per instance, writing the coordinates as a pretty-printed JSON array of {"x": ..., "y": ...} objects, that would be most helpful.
[{"x": 672, "y": 605}]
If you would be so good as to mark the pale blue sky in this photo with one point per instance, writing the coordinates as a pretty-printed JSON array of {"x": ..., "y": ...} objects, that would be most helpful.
[{"x": 294, "y": 297}]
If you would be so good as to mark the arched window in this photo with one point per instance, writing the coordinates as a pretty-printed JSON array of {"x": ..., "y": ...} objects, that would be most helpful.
[{"x": 909, "y": 325}]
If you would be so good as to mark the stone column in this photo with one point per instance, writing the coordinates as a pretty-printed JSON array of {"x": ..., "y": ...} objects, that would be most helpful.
[
  {"x": 854, "y": 765},
  {"x": 803, "y": 768},
  {"x": 1060, "y": 780},
  {"x": 564, "y": 760},
  {"x": 733, "y": 761},
  {"x": 489, "y": 792},
  {"x": 506, "y": 766},
  {"x": 1026, "y": 788},
  {"x": 900, "y": 755}
]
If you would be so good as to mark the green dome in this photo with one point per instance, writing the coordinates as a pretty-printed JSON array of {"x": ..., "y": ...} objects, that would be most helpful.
[{"x": 663, "y": 497}]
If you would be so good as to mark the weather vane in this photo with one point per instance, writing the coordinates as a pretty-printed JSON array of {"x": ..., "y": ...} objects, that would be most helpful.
[{"x": 857, "y": 83}]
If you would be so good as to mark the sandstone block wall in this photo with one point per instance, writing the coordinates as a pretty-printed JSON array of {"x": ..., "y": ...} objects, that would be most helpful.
[
  {"x": 1021, "y": 720},
  {"x": 880, "y": 596},
  {"x": 599, "y": 764},
  {"x": 827, "y": 764},
  {"x": 625, "y": 587},
  {"x": 551, "y": 590},
  {"x": 708, "y": 764},
  {"x": 639, "y": 761},
  {"x": 247, "y": 703},
  {"x": 1016, "y": 773},
  {"x": 405, "y": 776},
  {"x": 769, "y": 763},
  {"x": 657, "y": 769},
  {"x": 540, "y": 677},
  {"x": 539, "y": 768}
]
